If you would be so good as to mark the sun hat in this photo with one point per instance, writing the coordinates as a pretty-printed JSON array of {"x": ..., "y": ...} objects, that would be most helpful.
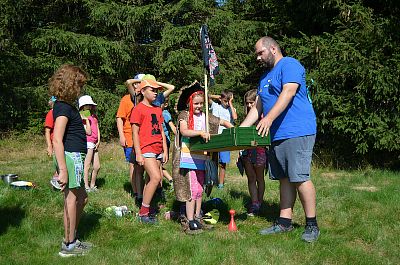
[
  {"x": 86, "y": 100},
  {"x": 184, "y": 94},
  {"x": 149, "y": 83},
  {"x": 139, "y": 76}
]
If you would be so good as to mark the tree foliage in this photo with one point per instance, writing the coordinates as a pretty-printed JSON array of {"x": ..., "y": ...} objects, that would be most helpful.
[{"x": 349, "y": 48}]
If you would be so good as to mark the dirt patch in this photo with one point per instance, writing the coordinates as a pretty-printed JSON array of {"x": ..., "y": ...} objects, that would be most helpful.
[
  {"x": 366, "y": 188},
  {"x": 332, "y": 175}
]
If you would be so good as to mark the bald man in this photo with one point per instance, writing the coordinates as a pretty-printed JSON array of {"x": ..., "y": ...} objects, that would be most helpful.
[{"x": 289, "y": 117}]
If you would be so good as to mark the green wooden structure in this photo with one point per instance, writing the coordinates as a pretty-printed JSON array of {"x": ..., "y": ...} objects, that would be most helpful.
[{"x": 237, "y": 138}]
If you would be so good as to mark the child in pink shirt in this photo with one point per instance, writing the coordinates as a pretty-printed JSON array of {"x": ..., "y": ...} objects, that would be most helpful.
[{"x": 93, "y": 142}]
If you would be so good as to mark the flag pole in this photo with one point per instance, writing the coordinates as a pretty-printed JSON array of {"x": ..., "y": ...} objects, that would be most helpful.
[{"x": 206, "y": 99}]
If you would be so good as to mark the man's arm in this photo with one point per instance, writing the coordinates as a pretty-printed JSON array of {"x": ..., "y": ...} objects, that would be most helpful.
[
  {"x": 253, "y": 115},
  {"x": 289, "y": 90}
]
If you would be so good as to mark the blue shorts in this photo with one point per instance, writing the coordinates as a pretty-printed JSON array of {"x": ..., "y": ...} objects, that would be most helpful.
[
  {"x": 127, "y": 151},
  {"x": 224, "y": 157},
  {"x": 291, "y": 158}
]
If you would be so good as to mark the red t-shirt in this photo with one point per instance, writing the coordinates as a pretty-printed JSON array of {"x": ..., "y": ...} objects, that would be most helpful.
[
  {"x": 49, "y": 123},
  {"x": 149, "y": 119}
]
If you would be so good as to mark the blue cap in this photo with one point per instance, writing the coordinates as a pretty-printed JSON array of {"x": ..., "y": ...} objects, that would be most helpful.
[
  {"x": 139, "y": 76},
  {"x": 53, "y": 99}
]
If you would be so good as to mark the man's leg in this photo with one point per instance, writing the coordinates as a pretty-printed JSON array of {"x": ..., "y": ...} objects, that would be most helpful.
[{"x": 307, "y": 197}]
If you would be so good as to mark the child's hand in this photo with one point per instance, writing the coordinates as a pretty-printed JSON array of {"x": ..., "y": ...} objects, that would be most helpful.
[
  {"x": 63, "y": 179},
  {"x": 97, "y": 146},
  {"x": 205, "y": 136},
  {"x": 165, "y": 157},
  {"x": 231, "y": 100},
  {"x": 140, "y": 160},
  {"x": 49, "y": 150},
  {"x": 122, "y": 141}
]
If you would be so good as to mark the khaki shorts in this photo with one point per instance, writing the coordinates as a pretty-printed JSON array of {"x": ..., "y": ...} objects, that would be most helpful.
[{"x": 75, "y": 162}]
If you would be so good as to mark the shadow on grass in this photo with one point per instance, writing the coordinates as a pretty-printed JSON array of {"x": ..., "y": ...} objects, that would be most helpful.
[
  {"x": 89, "y": 223},
  {"x": 128, "y": 188},
  {"x": 100, "y": 182},
  {"x": 10, "y": 216},
  {"x": 270, "y": 211}
]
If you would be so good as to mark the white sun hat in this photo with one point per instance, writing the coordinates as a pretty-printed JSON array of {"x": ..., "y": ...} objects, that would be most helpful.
[{"x": 86, "y": 100}]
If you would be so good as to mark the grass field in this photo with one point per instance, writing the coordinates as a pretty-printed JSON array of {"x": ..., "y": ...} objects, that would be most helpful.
[{"x": 358, "y": 213}]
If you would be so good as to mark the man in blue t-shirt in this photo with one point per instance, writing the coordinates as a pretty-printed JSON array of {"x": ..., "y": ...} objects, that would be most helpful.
[{"x": 290, "y": 119}]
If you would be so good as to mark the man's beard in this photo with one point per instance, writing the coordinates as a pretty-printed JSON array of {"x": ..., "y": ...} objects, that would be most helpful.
[{"x": 269, "y": 62}]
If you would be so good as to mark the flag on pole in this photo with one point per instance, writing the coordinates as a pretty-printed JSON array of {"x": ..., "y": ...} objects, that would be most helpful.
[{"x": 209, "y": 56}]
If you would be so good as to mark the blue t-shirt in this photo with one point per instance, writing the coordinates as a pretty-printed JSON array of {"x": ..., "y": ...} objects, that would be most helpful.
[
  {"x": 298, "y": 119},
  {"x": 167, "y": 118}
]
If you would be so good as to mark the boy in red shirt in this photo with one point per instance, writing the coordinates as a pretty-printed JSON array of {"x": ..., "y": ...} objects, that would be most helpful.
[{"x": 149, "y": 143}]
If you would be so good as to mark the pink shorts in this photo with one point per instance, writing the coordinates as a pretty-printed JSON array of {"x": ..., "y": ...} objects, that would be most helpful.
[{"x": 196, "y": 183}]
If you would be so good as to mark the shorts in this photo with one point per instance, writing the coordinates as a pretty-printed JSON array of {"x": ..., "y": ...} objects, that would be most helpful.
[
  {"x": 257, "y": 156},
  {"x": 291, "y": 158},
  {"x": 196, "y": 183},
  {"x": 153, "y": 155},
  {"x": 127, "y": 152},
  {"x": 224, "y": 157},
  {"x": 74, "y": 162},
  {"x": 91, "y": 145}
]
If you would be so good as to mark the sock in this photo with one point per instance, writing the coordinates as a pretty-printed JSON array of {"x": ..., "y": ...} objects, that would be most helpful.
[
  {"x": 311, "y": 221},
  {"x": 286, "y": 222},
  {"x": 144, "y": 210}
]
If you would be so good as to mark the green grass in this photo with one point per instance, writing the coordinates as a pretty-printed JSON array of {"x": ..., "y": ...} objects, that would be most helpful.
[{"x": 358, "y": 213}]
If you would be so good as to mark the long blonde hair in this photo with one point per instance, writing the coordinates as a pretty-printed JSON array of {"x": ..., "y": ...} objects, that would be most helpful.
[
  {"x": 250, "y": 95},
  {"x": 67, "y": 82}
]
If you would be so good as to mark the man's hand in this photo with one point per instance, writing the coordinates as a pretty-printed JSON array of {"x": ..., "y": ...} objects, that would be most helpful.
[{"x": 263, "y": 126}]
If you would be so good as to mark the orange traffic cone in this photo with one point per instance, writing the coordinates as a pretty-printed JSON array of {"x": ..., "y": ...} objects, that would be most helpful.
[{"x": 232, "y": 225}]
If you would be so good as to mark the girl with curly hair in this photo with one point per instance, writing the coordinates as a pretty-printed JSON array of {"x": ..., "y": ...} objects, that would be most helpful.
[{"x": 69, "y": 143}]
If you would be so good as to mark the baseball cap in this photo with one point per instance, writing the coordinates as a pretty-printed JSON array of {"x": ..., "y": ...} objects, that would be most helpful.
[
  {"x": 149, "y": 77},
  {"x": 86, "y": 100},
  {"x": 139, "y": 76},
  {"x": 149, "y": 83}
]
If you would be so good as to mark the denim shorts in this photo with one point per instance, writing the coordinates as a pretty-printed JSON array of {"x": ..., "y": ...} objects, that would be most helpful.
[
  {"x": 153, "y": 155},
  {"x": 291, "y": 158}
]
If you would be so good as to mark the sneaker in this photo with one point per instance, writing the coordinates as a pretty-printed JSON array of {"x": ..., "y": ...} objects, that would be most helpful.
[
  {"x": 194, "y": 228},
  {"x": 310, "y": 234},
  {"x": 253, "y": 210},
  {"x": 148, "y": 219},
  {"x": 55, "y": 184},
  {"x": 83, "y": 244},
  {"x": 88, "y": 190},
  {"x": 94, "y": 189},
  {"x": 71, "y": 251},
  {"x": 220, "y": 186},
  {"x": 276, "y": 228},
  {"x": 200, "y": 222}
]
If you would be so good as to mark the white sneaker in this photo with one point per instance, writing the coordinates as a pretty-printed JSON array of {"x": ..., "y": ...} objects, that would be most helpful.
[{"x": 55, "y": 184}]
